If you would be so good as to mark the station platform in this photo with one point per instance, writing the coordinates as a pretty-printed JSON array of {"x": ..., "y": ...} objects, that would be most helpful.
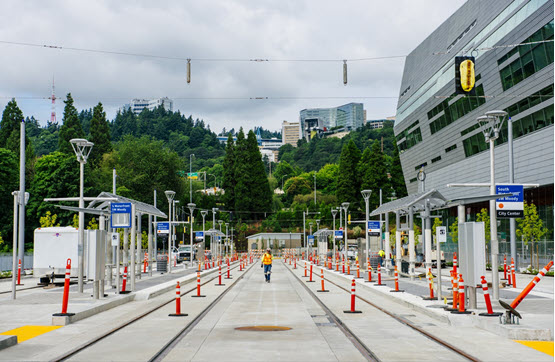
[{"x": 231, "y": 328}]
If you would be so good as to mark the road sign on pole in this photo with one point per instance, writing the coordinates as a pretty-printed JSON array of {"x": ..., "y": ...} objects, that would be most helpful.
[
  {"x": 510, "y": 206},
  {"x": 199, "y": 235},
  {"x": 163, "y": 228},
  {"x": 374, "y": 228},
  {"x": 441, "y": 234},
  {"x": 339, "y": 234},
  {"x": 192, "y": 175},
  {"x": 120, "y": 216},
  {"x": 311, "y": 240}
]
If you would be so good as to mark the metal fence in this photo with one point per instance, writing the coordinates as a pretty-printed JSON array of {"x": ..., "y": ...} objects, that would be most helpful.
[{"x": 7, "y": 258}]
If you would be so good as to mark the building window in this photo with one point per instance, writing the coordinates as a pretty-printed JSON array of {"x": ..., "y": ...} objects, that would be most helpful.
[
  {"x": 532, "y": 59},
  {"x": 450, "y": 148},
  {"x": 412, "y": 180},
  {"x": 434, "y": 160},
  {"x": 532, "y": 100},
  {"x": 456, "y": 110},
  {"x": 412, "y": 139},
  {"x": 528, "y": 124},
  {"x": 420, "y": 166}
]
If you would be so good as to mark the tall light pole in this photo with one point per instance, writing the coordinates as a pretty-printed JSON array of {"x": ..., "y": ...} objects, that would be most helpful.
[
  {"x": 226, "y": 238},
  {"x": 345, "y": 206},
  {"x": 214, "y": 246},
  {"x": 22, "y": 202},
  {"x": 314, "y": 188},
  {"x": 491, "y": 124},
  {"x": 366, "y": 194},
  {"x": 82, "y": 149},
  {"x": 307, "y": 244},
  {"x": 191, "y": 179},
  {"x": 191, "y": 207},
  {"x": 333, "y": 214},
  {"x": 170, "y": 195},
  {"x": 203, "y": 213},
  {"x": 175, "y": 218},
  {"x": 220, "y": 238}
]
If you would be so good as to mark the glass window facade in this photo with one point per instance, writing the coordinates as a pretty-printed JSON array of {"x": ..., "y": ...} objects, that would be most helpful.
[
  {"x": 456, "y": 110},
  {"x": 450, "y": 148},
  {"x": 412, "y": 139},
  {"x": 532, "y": 58},
  {"x": 435, "y": 159}
]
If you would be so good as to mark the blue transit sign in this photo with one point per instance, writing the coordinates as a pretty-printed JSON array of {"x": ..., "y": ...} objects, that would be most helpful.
[
  {"x": 163, "y": 228},
  {"x": 374, "y": 228},
  {"x": 120, "y": 215},
  {"x": 199, "y": 235},
  {"x": 339, "y": 234},
  {"x": 510, "y": 206},
  {"x": 310, "y": 240}
]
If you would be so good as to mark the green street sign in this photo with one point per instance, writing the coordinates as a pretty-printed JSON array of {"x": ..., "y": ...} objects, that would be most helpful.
[{"x": 192, "y": 175}]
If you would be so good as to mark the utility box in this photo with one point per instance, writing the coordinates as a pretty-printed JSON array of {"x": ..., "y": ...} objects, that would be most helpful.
[
  {"x": 95, "y": 241},
  {"x": 472, "y": 252},
  {"x": 51, "y": 249}
]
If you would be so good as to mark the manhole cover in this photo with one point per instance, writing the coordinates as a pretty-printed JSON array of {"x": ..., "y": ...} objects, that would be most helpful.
[{"x": 263, "y": 328}]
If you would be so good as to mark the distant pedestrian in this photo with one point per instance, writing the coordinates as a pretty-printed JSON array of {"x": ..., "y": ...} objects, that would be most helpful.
[
  {"x": 381, "y": 254},
  {"x": 267, "y": 264}
]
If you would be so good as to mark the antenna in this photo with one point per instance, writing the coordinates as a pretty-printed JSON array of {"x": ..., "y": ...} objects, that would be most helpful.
[{"x": 53, "y": 113}]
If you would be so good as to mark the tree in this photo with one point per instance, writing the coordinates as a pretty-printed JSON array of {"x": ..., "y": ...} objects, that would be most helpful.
[
  {"x": 100, "y": 134},
  {"x": 9, "y": 174},
  {"x": 297, "y": 186},
  {"x": 530, "y": 228},
  {"x": 229, "y": 181},
  {"x": 71, "y": 127},
  {"x": 437, "y": 222},
  {"x": 373, "y": 174},
  {"x": 11, "y": 119},
  {"x": 48, "y": 220},
  {"x": 348, "y": 184},
  {"x": 396, "y": 172},
  {"x": 483, "y": 216},
  {"x": 454, "y": 231}
]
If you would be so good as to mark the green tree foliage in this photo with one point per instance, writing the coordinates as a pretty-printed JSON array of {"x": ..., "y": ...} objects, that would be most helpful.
[
  {"x": 43, "y": 139},
  {"x": 326, "y": 179},
  {"x": 348, "y": 183},
  {"x": 56, "y": 175},
  {"x": 100, "y": 134},
  {"x": 373, "y": 174},
  {"x": 142, "y": 165},
  {"x": 48, "y": 220},
  {"x": 483, "y": 216},
  {"x": 454, "y": 230},
  {"x": 297, "y": 186},
  {"x": 9, "y": 128},
  {"x": 437, "y": 222},
  {"x": 530, "y": 228},
  {"x": 71, "y": 127},
  {"x": 283, "y": 172},
  {"x": 229, "y": 181},
  {"x": 9, "y": 176},
  {"x": 396, "y": 172}
]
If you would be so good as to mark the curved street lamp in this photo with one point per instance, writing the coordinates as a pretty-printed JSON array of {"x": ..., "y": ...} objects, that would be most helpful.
[{"x": 366, "y": 194}]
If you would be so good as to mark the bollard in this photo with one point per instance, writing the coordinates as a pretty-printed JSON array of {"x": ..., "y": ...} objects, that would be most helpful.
[
  {"x": 504, "y": 267},
  {"x": 358, "y": 270},
  {"x": 353, "y": 296},
  {"x": 513, "y": 272},
  {"x": 455, "y": 264},
  {"x": 429, "y": 276},
  {"x": 322, "y": 277},
  {"x": 198, "y": 287},
  {"x": 124, "y": 282},
  {"x": 396, "y": 290},
  {"x": 310, "y": 281},
  {"x": 295, "y": 263},
  {"x": 531, "y": 285},
  {"x": 19, "y": 272},
  {"x": 329, "y": 264},
  {"x": 370, "y": 273},
  {"x": 305, "y": 274},
  {"x": 490, "y": 312},
  {"x": 379, "y": 275},
  {"x": 336, "y": 265},
  {"x": 219, "y": 275},
  {"x": 66, "y": 292},
  {"x": 145, "y": 262},
  {"x": 343, "y": 263},
  {"x": 228, "y": 270},
  {"x": 177, "y": 303},
  {"x": 462, "y": 300}
]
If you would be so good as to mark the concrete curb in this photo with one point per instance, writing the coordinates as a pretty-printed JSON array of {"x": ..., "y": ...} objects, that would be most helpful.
[{"x": 7, "y": 341}]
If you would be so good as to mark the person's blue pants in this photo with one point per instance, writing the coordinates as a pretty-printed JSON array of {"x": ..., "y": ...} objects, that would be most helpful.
[{"x": 267, "y": 271}]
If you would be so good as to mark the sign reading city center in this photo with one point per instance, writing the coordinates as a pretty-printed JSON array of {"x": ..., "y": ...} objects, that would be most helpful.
[{"x": 510, "y": 206}]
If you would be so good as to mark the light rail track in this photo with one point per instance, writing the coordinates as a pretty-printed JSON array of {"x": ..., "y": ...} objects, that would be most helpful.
[
  {"x": 397, "y": 318},
  {"x": 163, "y": 351}
]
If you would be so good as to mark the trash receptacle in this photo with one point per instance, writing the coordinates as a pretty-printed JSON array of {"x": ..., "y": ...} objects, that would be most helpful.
[
  {"x": 404, "y": 266},
  {"x": 162, "y": 263}
]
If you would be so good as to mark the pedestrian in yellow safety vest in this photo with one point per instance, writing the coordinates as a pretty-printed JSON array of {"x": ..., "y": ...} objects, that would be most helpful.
[
  {"x": 381, "y": 254},
  {"x": 267, "y": 264}
]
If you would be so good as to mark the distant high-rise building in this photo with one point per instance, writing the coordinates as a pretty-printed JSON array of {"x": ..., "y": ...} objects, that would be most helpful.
[
  {"x": 290, "y": 133},
  {"x": 375, "y": 123},
  {"x": 348, "y": 116},
  {"x": 137, "y": 105}
]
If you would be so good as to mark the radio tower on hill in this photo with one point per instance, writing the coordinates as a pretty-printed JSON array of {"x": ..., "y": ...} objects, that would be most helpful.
[{"x": 53, "y": 113}]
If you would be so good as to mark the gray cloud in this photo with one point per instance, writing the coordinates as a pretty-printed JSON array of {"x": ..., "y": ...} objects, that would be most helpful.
[{"x": 247, "y": 29}]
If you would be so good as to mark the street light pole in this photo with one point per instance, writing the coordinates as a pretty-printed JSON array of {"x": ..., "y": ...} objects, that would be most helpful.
[
  {"x": 345, "y": 206},
  {"x": 82, "y": 149},
  {"x": 213, "y": 247},
  {"x": 333, "y": 214},
  {"x": 170, "y": 195},
  {"x": 203, "y": 213},
  {"x": 314, "y": 188},
  {"x": 366, "y": 194},
  {"x": 491, "y": 124},
  {"x": 191, "y": 179},
  {"x": 226, "y": 238},
  {"x": 191, "y": 207},
  {"x": 304, "y": 232}
]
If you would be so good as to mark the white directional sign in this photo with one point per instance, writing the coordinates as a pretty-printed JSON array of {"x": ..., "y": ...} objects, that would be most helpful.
[
  {"x": 441, "y": 234},
  {"x": 115, "y": 239}
]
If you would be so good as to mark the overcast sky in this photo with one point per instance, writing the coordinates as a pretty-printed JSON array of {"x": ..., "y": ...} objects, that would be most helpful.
[{"x": 219, "y": 30}]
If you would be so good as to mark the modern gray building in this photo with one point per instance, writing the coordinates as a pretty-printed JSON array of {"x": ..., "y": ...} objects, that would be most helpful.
[
  {"x": 348, "y": 116},
  {"x": 437, "y": 129}
]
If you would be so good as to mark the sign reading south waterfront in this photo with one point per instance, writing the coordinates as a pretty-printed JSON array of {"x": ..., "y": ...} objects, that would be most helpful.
[{"x": 510, "y": 206}]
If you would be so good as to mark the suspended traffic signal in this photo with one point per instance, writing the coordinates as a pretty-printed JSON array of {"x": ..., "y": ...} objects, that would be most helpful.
[{"x": 465, "y": 77}]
